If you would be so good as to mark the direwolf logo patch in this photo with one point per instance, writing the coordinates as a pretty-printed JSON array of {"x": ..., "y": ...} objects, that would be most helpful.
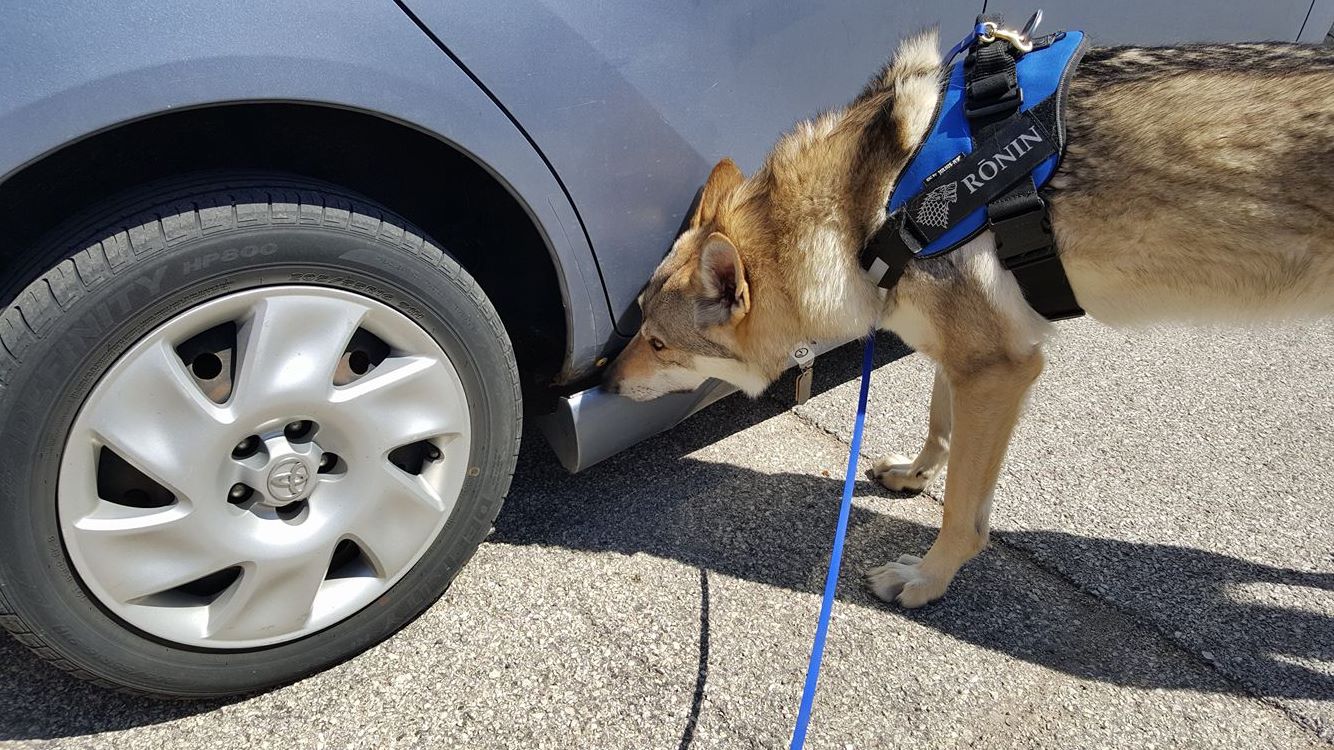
[{"x": 934, "y": 210}]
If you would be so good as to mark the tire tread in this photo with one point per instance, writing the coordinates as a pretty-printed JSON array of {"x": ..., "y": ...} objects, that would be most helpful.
[{"x": 209, "y": 212}]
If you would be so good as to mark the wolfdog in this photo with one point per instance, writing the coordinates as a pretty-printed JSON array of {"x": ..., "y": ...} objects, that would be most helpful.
[{"x": 1197, "y": 185}]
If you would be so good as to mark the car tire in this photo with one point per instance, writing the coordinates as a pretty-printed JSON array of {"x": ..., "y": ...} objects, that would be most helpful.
[{"x": 126, "y": 284}]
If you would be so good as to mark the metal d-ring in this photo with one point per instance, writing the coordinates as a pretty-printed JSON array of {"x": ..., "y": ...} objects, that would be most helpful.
[{"x": 991, "y": 32}]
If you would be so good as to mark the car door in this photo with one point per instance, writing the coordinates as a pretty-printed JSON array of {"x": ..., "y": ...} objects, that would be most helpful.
[
  {"x": 631, "y": 103},
  {"x": 1154, "y": 22}
]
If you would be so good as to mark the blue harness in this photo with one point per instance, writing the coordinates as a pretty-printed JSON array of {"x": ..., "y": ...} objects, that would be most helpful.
[
  {"x": 997, "y": 138},
  {"x": 984, "y": 118}
]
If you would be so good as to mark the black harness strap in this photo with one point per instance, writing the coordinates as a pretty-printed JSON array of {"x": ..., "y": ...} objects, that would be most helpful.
[{"x": 1019, "y": 219}]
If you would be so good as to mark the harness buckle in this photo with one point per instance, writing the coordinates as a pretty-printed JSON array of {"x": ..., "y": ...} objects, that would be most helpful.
[
  {"x": 1023, "y": 236},
  {"x": 1004, "y": 103}
]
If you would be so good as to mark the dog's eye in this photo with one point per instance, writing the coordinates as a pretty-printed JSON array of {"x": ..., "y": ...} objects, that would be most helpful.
[{"x": 656, "y": 343}]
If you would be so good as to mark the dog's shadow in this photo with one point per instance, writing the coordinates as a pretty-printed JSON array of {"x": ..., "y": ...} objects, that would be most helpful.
[{"x": 776, "y": 528}]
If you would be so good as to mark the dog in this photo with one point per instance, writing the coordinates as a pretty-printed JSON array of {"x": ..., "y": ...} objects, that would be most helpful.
[{"x": 1197, "y": 185}]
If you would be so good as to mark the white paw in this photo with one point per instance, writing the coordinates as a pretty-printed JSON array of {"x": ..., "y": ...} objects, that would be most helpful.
[
  {"x": 896, "y": 472},
  {"x": 905, "y": 582}
]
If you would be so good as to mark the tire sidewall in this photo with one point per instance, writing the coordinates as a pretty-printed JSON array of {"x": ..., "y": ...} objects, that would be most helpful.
[{"x": 78, "y": 346}]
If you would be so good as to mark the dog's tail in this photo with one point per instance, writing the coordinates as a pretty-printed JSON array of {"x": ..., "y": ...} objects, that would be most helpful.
[
  {"x": 895, "y": 108},
  {"x": 918, "y": 56}
]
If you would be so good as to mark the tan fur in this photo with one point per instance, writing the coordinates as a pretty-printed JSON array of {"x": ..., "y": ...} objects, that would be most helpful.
[{"x": 1196, "y": 186}]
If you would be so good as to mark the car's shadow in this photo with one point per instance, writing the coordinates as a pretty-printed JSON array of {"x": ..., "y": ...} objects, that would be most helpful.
[
  {"x": 775, "y": 529},
  {"x": 39, "y": 701}
]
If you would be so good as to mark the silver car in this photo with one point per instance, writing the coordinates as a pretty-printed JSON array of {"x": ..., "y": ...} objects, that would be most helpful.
[{"x": 280, "y": 281}]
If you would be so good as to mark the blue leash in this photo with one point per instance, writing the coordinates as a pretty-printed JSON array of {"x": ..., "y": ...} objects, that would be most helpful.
[{"x": 835, "y": 557}]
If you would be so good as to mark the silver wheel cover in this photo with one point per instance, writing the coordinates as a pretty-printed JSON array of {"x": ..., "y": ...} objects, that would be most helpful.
[{"x": 270, "y": 556}]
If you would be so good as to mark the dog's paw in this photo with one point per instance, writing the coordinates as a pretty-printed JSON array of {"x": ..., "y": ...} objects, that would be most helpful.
[
  {"x": 896, "y": 472},
  {"x": 905, "y": 582}
]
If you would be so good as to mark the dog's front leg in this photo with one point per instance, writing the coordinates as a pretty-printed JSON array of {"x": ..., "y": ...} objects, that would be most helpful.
[
  {"x": 985, "y": 402},
  {"x": 901, "y": 475}
]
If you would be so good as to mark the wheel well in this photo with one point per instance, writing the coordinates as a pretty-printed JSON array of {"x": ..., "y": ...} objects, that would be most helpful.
[{"x": 427, "y": 181}]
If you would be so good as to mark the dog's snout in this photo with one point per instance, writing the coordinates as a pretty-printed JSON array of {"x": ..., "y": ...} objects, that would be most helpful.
[{"x": 611, "y": 379}]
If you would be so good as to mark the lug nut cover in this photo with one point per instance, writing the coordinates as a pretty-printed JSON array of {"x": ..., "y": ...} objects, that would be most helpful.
[{"x": 246, "y": 447}]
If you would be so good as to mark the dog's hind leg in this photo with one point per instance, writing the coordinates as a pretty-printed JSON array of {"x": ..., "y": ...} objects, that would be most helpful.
[
  {"x": 901, "y": 475},
  {"x": 985, "y": 404}
]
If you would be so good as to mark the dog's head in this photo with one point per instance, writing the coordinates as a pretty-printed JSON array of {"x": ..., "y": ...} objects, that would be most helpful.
[
  {"x": 722, "y": 304},
  {"x": 695, "y": 307}
]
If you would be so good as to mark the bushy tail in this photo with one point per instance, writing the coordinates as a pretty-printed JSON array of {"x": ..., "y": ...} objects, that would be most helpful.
[{"x": 917, "y": 56}]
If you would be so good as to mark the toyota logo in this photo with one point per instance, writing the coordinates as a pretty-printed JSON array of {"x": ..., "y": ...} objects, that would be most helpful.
[{"x": 288, "y": 480}]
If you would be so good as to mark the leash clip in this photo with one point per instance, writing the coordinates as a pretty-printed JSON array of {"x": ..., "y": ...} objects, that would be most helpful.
[
  {"x": 987, "y": 32},
  {"x": 804, "y": 356},
  {"x": 991, "y": 32}
]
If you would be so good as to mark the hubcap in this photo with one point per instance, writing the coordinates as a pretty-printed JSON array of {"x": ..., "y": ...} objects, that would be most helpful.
[{"x": 263, "y": 466}]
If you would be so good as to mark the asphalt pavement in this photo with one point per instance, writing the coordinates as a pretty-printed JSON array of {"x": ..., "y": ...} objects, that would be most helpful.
[{"x": 1161, "y": 575}]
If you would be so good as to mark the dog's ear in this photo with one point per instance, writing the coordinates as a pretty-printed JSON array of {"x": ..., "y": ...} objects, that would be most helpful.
[
  {"x": 724, "y": 178},
  {"x": 725, "y": 293}
]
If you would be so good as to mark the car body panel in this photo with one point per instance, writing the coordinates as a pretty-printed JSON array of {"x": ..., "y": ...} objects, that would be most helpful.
[
  {"x": 74, "y": 69},
  {"x": 1319, "y": 24},
  {"x": 633, "y": 102},
  {"x": 1155, "y": 22},
  {"x": 602, "y": 119}
]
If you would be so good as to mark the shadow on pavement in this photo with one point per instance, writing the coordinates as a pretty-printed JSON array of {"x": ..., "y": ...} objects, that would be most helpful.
[
  {"x": 776, "y": 529},
  {"x": 39, "y": 701}
]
